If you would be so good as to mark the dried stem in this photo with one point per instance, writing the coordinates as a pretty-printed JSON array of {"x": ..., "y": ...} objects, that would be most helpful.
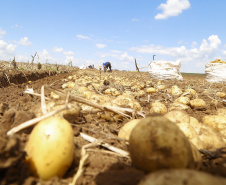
[
  {"x": 85, "y": 101},
  {"x": 33, "y": 121},
  {"x": 112, "y": 148},
  {"x": 43, "y": 102}
]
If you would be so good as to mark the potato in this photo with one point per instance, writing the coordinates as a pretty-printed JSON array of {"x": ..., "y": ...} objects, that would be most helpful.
[
  {"x": 175, "y": 90},
  {"x": 184, "y": 100},
  {"x": 54, "y": 96},
  {"x": 158, "y": 107},
  {"x": 191, "y": 134},
  {"x": 161, "y": 87},
  {"x": 126, "y": 130},
  {"x": 178, "y": 116},
  {"x": 87, "y": 94},
  {"x": 156, "y": 143},
  {"x": 193, "y": 120},
  {"x": 198, "y": 103},
  {"x": 216, "y": 122},
  {"x": 140, "y": 93},
  {"x": 100, "y": 99},
  {"x": 209, "y": 137},
  {"x": 71, "y": 114},
  {"x": 151, "y": 90},
  {"x": 223, "y": 134},
  {"x": 197, "y": 156},
  {"x": 181, "y": 177},
  {"x": 178, "y": 106},
  {"x": 221, "y": 112},
  {"x": 191, "y": 91},
  {"x": 50, "y": 148},
  {"x": 220, "y": 94},
  {"x": 127, "y": 101}
]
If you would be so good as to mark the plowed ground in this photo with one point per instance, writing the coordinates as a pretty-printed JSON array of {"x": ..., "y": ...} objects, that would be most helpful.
[{"x": 102, "y": 167}]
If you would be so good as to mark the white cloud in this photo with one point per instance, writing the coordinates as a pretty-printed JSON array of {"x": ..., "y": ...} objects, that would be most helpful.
[
  {"x": 82, "y": 37},
  {"x": 58, "y": 50},
  {"x": 7, "y": 51},
  {"x": 172, "y": 8},
  {"x": 126, "y": 57},
  {"x": 25, "y": 42},
  {"x": 204, "y": 53},
  {"x": 121, "y": 56},
  {"x": 224, "y": 53},
  {"x": 2, "y": 32},
  {"x": 61, "y": 50},
  {"x": 100, "y": 46},
  {"x": 68, "y": 53}
]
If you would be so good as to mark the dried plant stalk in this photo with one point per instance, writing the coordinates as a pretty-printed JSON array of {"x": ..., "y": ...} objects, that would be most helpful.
[
  {"x": 112, "y": 148},
  {"x": 33, "y": 121}
]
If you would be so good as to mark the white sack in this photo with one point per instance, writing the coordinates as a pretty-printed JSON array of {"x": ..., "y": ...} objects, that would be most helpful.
[
  {"x": 165, "y": 70},
  {"x": 83, "y": 67},
  {"x": 215, "y": 72}
]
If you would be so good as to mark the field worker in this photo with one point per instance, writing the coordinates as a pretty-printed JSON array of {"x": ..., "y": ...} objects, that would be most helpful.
[{"x": 107, "y": 65}]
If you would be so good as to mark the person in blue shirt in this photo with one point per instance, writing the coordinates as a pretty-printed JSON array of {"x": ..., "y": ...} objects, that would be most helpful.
[{"x": 107, "y": 65}]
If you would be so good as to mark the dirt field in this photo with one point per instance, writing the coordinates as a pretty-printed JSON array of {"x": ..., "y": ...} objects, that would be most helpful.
[{"x": 102, "y": 167}]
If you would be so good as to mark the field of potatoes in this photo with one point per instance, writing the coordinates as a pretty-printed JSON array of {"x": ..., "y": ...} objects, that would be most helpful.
[{"x": 112, "y": 128}]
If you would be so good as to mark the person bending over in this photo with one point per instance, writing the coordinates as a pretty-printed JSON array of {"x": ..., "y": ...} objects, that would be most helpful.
[{"x": 107, "y": 65}]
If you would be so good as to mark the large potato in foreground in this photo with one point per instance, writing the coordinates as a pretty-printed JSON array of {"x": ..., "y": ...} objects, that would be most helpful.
[
  {"x": 181, "y": 177},
  {"x": 126, "y": 130},
  {"x": 191, "y": 134},
  {"x": 157, "y": 143},
  {"x": 50, "y": 148},
  {"x": 178, "y": 116}
]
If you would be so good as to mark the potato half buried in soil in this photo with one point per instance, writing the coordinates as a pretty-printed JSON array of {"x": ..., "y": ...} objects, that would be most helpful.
[
  {"x": 157, "y": 143},
  {"x": 50, "y": 148}
]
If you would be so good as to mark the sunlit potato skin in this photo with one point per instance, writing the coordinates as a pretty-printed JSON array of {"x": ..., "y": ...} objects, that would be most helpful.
[
  {"x": 157, "y": 143},
  {"x": 50, "y": 148}
]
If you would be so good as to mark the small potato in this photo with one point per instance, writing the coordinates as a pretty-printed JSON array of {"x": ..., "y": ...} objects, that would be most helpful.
[
  {"x": 140, "y": 93},
  {"x": 175, "y": 90},
  {"x": 127, "y": 101},
  {"x": 198, "y": 103},
  {"x": 216, "y": 122},
  {"x": 178, "y": 116},
  {"x": 158, "y": 107},
  {"x": 209, "y": 137},
  {"x": 184, "y": 100},
  {"x": 220, "y": 94},
  {"x": 181, "y": 177},
  {"x": 72, "y": 114},
  {"x": 156, "y": 143},
  {"x": 50, "y": 148},
  {"x": 125, "y": 131},
  {"x": 151, "y": 90},
  {"x": 87, "y": 94},
  {"x": 178, "y": 106},
  {"x": 221, "y": 112},
  {"x": 161, "y": 87},
  {"x": 54, "y": 96}
]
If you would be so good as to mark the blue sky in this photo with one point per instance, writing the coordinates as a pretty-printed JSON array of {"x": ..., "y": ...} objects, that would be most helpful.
[{"x": 95, "y": 31}]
